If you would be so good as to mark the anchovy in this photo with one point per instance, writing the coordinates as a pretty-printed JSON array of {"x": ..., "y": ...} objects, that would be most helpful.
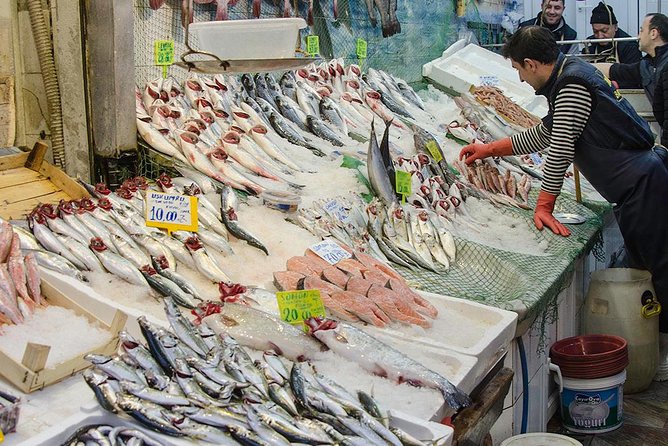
[
  {"x": 374, "y": 355},
  {"x": 228, "y": 201},
  {"x": 114, "y": 367},
  {"x": 138, "y": 352}
]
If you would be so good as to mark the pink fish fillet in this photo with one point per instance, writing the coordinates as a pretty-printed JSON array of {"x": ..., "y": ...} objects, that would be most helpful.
[
  {"x": 423, "y": 306},
  {"x": 376, "y": 277},
  {"x": 395, "y": 307},
  {"x": 301, "y": 265},
  {"x": 362, "y": 307},
  {"x": 34, "y": 287},
  {"x": 372, "y": 263},
  {"x": 287, "y": 280},
  {"x": 316, "y": 283},
  {"x": 335, "y": 276},
  {"x": 336, "y": 309},
  {"x": 316, "y": 259},
  {"x": 6, "y": 235},
  {"x": 351, "y": 266},
  {"x": 358, "y": 285}
]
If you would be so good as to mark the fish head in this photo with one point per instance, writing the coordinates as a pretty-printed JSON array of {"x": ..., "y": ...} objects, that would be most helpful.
[
  {"x": 129, "y": 185},
  {"x": 102, "y": 189},
  {"x": 193, "y": 243},
  {"x": 124, "y": 193},
  {"x": 231, "y": 137},
  {"x": 104, "y": 203},
  {"x": 46, "y": 210},
  {"x": 86, "y": 204},
  {"x": 97, "y": 245},
  {"x": 65, "y": 207},
  {"x": 164, "y": 181},
  {"x": 149, "y": 270}
]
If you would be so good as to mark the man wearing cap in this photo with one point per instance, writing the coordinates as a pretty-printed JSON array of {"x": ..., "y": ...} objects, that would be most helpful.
[
  {"x": 604, "y": 26},
  {"x": 551, "y": 17}
]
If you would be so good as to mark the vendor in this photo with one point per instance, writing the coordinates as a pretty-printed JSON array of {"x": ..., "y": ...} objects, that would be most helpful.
[
  {"x": 650, "y": 72},
  {"x": 591, "y": 124},
  {"x": 604, "y": 26},
  {"x": 551, "y": 17}
]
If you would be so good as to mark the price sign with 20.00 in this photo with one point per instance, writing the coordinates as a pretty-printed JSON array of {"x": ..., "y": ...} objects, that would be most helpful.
[{"x": 172, "y": 212}]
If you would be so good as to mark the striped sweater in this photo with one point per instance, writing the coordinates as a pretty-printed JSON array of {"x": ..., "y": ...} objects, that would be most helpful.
[{"x": 571, "y": 111}]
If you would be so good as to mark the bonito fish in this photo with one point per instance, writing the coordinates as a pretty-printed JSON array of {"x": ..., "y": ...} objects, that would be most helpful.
[{"x": 378, "y": 357}]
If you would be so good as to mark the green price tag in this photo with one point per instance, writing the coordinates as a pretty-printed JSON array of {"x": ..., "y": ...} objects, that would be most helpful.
[
  {"x": 164, "y": 52},
  {"x": 434, "y": 151},
  {"x": 313, "y": 45},
  {"x": 361, "y": 48},
  {"x": 403, "y": 182},
  {"x": 299, "y": 305}
]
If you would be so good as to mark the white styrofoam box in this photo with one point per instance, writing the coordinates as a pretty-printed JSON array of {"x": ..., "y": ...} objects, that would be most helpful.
[
  {"x": 473, "y": 65},
  {"x": 463, "y": 326},
  {"x": 59, "y": 433},
  {"x": 93, "y": 301},
  {"x": 428, "y": 432},
  {"x": 249, "y": 39}
]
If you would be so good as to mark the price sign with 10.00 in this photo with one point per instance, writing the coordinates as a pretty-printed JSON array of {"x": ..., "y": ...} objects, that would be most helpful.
[
  {"x": 172, "y": 212},
  {"x": 297, "y": 306}
]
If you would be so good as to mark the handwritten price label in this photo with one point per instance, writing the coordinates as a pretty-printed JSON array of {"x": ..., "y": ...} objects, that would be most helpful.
[
  {"x": 336, "y": 210},
  {"x": 403, "y": 182},
  {"x": 330, "y": 251},
  {"x": 536, "y": 158},
  {"x": 489, "y": 81},
  {"x": 297, "y": 306},
  {"x": 164, "y": 52},
  {"x": 360, "y": 47},
  {"x": 434, "y": 151},
  {"x": 313, "y": 45},
  {"x": 172, "y": 212}
]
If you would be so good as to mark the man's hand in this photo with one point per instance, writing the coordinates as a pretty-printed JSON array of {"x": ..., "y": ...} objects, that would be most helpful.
[
  {"x": 542, "y": 215},
  {"x": 472, "y": 152}
]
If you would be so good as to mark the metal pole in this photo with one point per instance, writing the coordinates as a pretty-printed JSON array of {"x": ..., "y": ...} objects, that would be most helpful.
[{"x": 569, "y": 42}]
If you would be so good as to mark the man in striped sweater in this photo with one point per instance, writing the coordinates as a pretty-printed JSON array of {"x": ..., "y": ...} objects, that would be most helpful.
[{"x": 591, "y": 125}]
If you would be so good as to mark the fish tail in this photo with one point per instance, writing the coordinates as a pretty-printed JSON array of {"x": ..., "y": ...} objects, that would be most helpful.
[{"x": 455, "y": 398}]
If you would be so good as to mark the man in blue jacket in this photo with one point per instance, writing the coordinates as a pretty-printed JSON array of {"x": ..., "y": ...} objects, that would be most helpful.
[
  {"x": 604, "y": 26},
  {"x": 551, "y": 17}
]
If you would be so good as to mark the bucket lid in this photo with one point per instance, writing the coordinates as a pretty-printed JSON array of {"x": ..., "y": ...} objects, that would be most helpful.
[{"x": 540, "y": 439}]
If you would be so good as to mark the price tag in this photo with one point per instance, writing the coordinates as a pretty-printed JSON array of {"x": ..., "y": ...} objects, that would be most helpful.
[
  {"x": 434, "y": 151},
  {"x": 164, "y": 52},
  {"x": 489, "y": 81},
  {"x": 297, "y": 306},
  {"x": 336, "y": 210},
  {"x": 330, "y": 251},
  {"x": 2, "y": 436},
  {"x": 403, "y": 182},
  {"x": 360, "y": 48},
  {"x": 172, "y": 212},
  {"x": 312, "y": 45},
  {"x": 536, "y": 158}
]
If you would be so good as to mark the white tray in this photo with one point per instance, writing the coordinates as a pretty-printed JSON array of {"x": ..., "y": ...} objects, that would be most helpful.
[{"x": 462, "y": 326}]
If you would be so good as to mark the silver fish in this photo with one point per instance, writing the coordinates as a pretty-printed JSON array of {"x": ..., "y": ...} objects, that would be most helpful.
[
  {"x": 228, "y": 200},
  {"x": 117, "y": 265},
  {"x": 378, "y": 174},
  {"x": 374, "y": 355}
]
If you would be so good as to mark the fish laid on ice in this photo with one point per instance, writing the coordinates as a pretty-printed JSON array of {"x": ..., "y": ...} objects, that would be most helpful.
[
  {"x": 381, "y": 359},
  {"x": 228, "y": 201}
]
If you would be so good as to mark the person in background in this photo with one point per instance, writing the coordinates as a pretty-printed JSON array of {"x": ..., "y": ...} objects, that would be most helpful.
[
  {"x": 604, "y": 26},
  {"x": 590, "y": 124},
  {"x": 551, "y": 17},
  {"x": 651, "y": 72}
]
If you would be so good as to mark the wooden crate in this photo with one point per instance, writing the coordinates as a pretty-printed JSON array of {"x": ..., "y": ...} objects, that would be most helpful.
[
  {"x": 21, "y": 188},
  {"x": 30, "y": 374}
]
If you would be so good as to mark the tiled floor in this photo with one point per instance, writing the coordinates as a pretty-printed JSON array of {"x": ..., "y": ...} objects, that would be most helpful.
[{"x": 645, "y": 421}]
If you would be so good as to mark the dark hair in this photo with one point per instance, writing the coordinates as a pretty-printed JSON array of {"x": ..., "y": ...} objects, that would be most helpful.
[
  {"x": 532, "y": 42},
  {"x": 659, "y": 22}
]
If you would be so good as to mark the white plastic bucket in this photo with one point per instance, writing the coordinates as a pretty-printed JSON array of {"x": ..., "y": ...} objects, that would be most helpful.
[
  {"x": 592, "y": 406},
  {"x": 540, "y": 439}
]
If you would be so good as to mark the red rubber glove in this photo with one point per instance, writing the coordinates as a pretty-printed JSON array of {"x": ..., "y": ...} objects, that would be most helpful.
[
  {"x": 542, "y": 215},
  {"x": 472, "y": 152}
]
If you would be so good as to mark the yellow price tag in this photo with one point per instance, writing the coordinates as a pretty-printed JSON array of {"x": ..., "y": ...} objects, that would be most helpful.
[
  {"x": 164, "y": 52},
  {"x": 313, "y": 45},
  {"x": 361, "y": 48},
  {"x": 172, "y": 212},
  {"x": 434, "y": 151},
  {"x": 403, "y": 182},
  {"x": 297, "y": 306},
  {"x": 2, "y": 436}
]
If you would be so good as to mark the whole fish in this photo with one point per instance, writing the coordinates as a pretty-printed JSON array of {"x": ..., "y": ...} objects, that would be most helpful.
[
  {"x": 49, "y": 241},
  {"x": 154, "y": 248},
  {"x": 116, "y": 264},
  {"x": 284, "y": 129},
  {"x": 33, "y": 278},
  {"x": 295, "y": 114},
  {"x": 331, "y": 113},
  {"x": 176, "y": 247},
  {"x": 167, "y": 288},
  {"x": 262, "y": 331},
  {"x": 259, "y": 135},
  {"x": 203, "y": 262},
  {"x": 379, "y": 358},
  {"x": 161, "y": 265},
  {"x": 377, "y": 172},
  {"x": 55, "y": 262},
  {"x": 229, "y": 203},
  {"x": 81, "y": 251},
  {"x": 320, "y": 129}
]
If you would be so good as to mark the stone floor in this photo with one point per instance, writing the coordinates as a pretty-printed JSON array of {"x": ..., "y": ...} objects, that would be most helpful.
[{"x": 645, "y": 421}]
